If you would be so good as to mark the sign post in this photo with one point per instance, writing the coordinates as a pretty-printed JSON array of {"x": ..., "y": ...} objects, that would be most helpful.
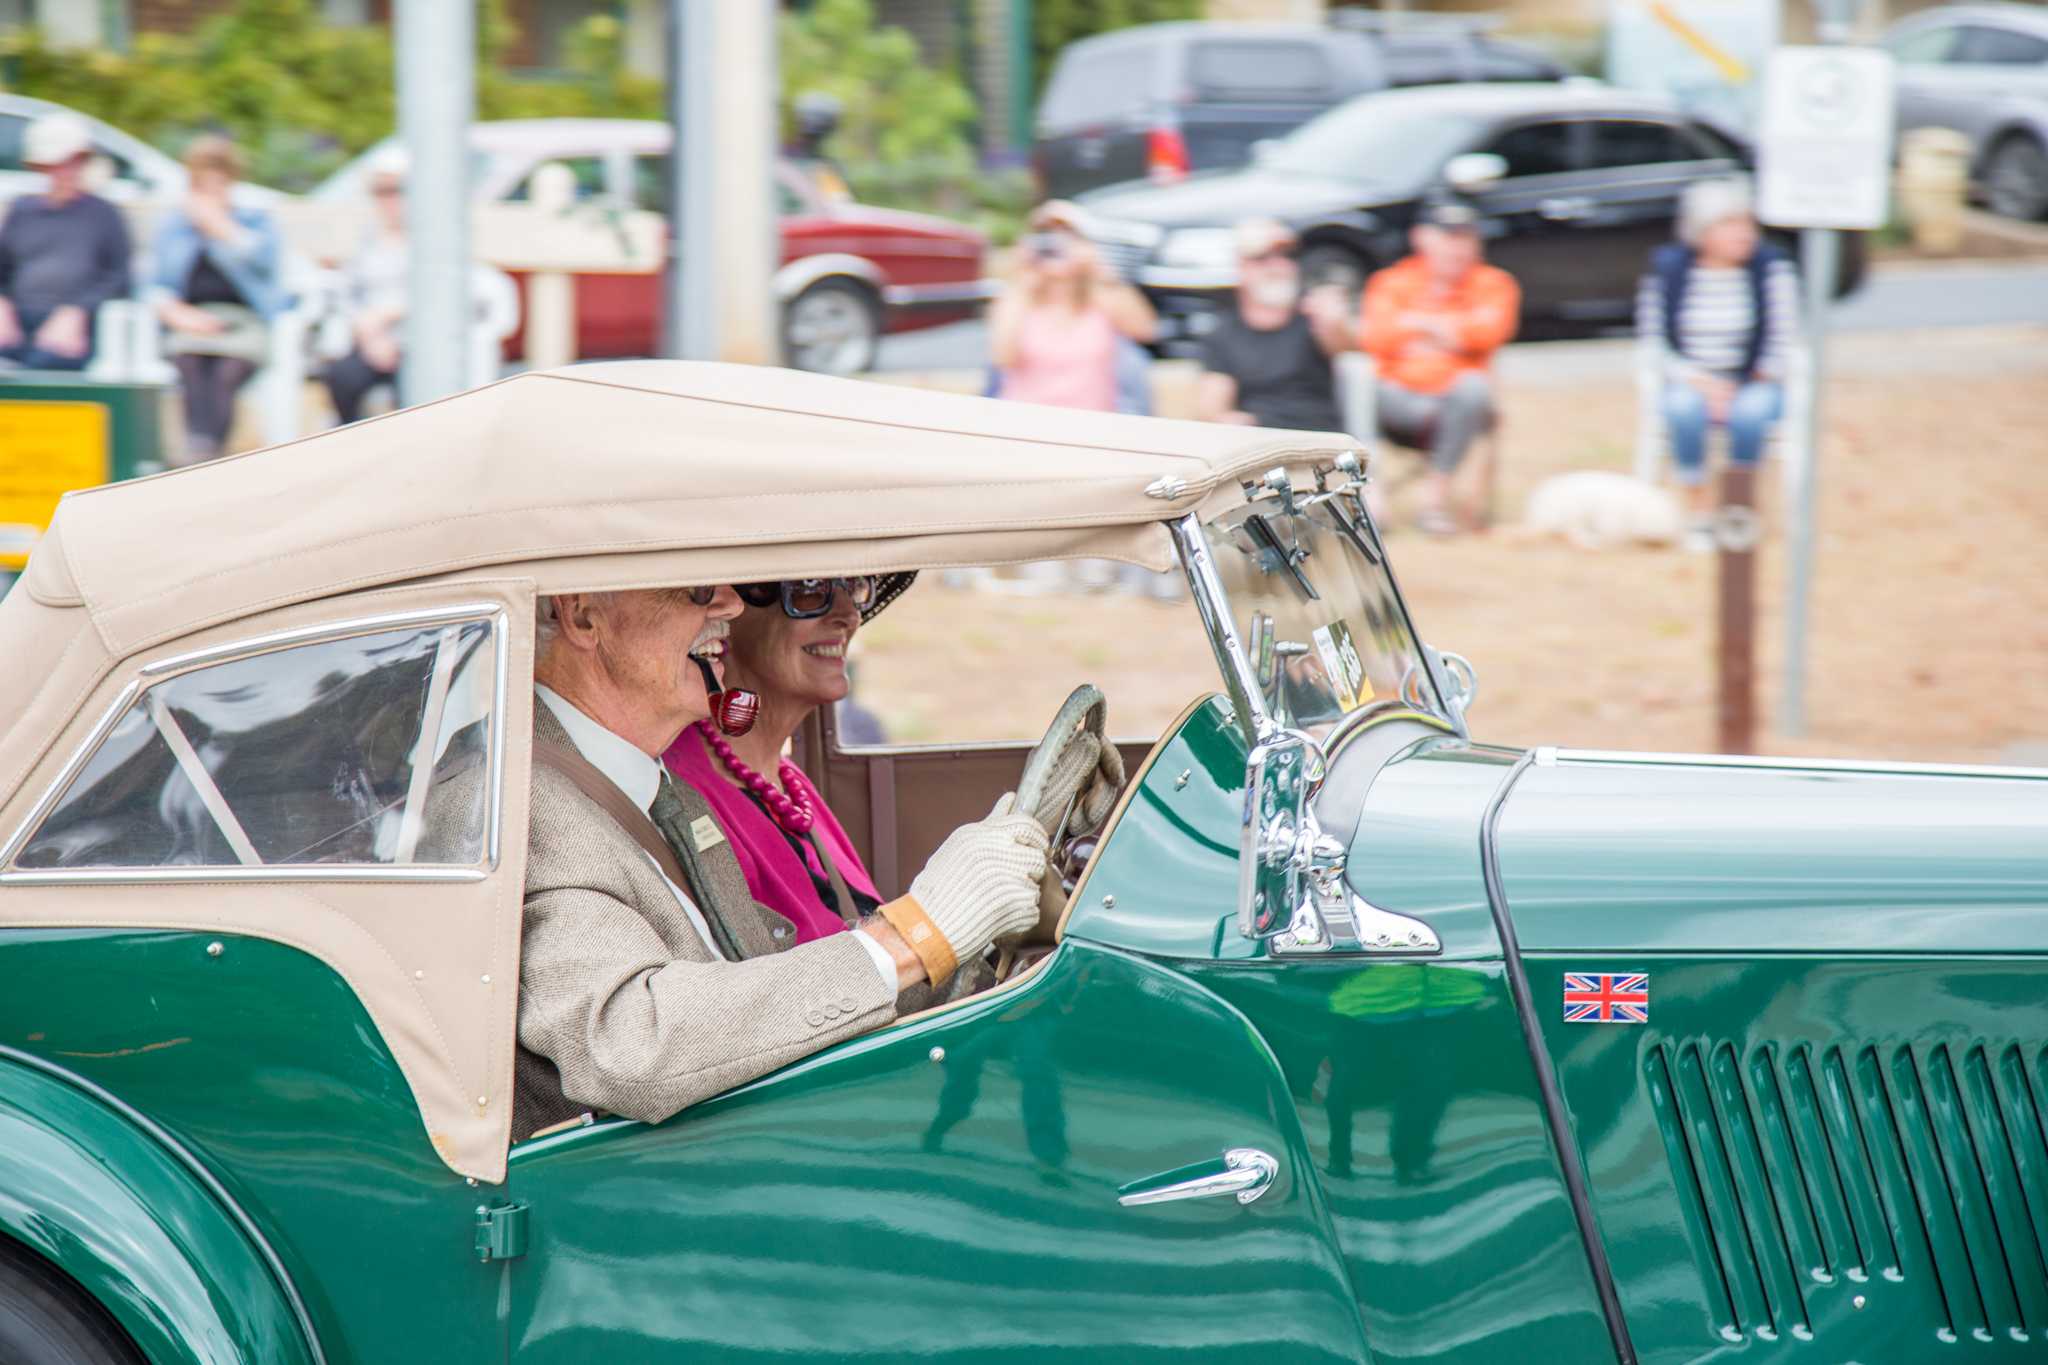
[{"x": 1823, "y": 164}]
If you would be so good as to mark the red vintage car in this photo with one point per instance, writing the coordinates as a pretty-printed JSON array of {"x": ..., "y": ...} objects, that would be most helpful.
[{"x": 849, "y": 271}]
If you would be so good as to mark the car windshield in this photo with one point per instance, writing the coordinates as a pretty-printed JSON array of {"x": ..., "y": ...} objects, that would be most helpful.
[
  {"x": 1317, "y": 610},
  {"x": 1366, "y": 140}
]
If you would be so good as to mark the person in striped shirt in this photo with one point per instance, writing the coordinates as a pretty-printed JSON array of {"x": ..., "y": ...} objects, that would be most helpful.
[{"x": 1726, "y": 305}]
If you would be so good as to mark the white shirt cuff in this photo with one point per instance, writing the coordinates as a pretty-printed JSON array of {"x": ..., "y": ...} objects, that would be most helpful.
[{"x": 884, "y": 963}]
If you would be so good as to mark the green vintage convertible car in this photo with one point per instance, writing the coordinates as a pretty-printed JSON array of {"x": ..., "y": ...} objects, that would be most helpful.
[{"x": 1357, "y": 1040}]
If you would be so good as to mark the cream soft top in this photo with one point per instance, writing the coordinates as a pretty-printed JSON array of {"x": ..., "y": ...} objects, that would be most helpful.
[{"x": 721, "y": 470}]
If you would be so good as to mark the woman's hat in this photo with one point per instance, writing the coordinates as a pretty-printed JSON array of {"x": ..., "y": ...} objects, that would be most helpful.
[
  {"x": 888, "y": 587},
  {"x": 1707, "y": 202}
]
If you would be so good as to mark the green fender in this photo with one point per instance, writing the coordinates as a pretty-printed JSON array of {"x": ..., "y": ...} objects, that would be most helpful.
[{"x": 119, "y": 1209}]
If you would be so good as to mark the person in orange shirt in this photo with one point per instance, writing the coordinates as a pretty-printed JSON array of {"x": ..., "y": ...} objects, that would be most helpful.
[{"x": 1432, "y": 323}]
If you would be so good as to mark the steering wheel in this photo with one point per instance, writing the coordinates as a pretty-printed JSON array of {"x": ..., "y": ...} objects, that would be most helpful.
[{"x": 1080, "y": 722}]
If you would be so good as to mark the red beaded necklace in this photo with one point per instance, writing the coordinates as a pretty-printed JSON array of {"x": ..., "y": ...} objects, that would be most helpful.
[{"x": 793, "y": 812}]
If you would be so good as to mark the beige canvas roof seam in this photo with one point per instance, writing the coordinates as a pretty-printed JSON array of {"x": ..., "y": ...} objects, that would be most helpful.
[
  {"x": 564, "y": 549},
  {"x": 572, "y": 378}
]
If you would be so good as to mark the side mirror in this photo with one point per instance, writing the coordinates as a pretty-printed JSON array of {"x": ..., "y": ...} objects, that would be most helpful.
[{"x": 1471, "y": 172}]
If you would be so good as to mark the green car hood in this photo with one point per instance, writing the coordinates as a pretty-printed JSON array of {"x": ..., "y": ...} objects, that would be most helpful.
[{"x": 1704, "y": 856}]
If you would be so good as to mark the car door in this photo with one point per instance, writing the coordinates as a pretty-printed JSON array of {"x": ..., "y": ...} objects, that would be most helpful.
[
  {"x": 1960, "y": 75},
  {"x": 1530, "y": 210},
  {"x": 948, "y": 1189},
  {"x": 1638, "y": 167}
]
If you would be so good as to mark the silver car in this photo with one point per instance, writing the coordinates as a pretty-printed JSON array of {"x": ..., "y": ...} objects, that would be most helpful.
[{"x": 1982, "y": 70}]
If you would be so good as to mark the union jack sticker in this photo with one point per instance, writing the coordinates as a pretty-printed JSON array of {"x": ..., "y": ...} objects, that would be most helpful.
[{"x": 1606, "y": 997}]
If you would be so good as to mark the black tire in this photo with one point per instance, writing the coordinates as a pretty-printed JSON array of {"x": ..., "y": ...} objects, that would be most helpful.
[
  {"x": 1327, "y": 263},
  {"x": 45, "y": 1319},
  {"x": 2016, "y": 178},
  {"x": 832, "y": 327}
]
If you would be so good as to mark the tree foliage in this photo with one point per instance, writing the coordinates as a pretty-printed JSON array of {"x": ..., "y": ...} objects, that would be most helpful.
[{"x": 301, "y": 97}]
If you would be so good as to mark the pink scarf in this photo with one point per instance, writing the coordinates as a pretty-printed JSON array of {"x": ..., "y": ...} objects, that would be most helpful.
[{"x": 778, "y": 879}]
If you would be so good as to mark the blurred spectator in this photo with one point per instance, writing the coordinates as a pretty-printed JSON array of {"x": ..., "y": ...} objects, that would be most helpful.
[
  {"x": 214, "y": 276},
  {"x": 1726, "y": 304},
  {"x": 1432, "y": 323},
  {"x": 63, "y": 253},
  {"x": 1055, "y": 333},
  {"x": 373, "y": 292},
  {"x": 1267, "y": 363}
]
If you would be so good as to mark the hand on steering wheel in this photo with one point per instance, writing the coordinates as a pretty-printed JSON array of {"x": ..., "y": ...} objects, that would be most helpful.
[{"x": 1073, "y": 777}]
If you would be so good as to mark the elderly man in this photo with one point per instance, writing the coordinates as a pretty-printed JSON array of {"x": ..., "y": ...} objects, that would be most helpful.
[
  {"x": 1433, "y": 322},
  {"x": 649, "y": 978},
  {"x": 1267, "y": 363},
  {"x": 63, "y": 253}
]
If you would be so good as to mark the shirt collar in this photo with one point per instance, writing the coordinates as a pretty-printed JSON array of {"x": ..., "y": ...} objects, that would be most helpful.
[{"x": 630, "y": 770}]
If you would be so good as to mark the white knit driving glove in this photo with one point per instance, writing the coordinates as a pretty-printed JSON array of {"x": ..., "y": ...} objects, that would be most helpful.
[
  {"x": 1090, "y": 769},
  {"x": 980, "y": 885}
]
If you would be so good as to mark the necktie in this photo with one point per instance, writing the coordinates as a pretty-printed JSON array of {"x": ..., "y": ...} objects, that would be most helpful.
[{"x": 669, "y": 817}]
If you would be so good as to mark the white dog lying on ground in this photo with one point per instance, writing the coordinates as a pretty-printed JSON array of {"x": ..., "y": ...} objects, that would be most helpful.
[{"x": 1598, "y": 510}]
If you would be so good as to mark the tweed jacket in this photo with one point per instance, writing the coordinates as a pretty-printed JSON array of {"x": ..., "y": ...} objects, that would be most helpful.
[{"x": 623, "y": 1008}]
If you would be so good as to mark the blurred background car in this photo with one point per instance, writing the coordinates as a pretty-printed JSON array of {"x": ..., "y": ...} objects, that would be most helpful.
[
  {"x": 1161, "y": 101},
  {"x": 849, "y": 271},
  {"x": 1576, "y": 182},
  {"x": 126, "y": 170},
  {"x": 1983, "y": 71}
]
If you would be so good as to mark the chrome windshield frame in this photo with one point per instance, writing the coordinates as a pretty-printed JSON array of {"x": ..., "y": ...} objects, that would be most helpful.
[{"x": 1212, "y": 603}]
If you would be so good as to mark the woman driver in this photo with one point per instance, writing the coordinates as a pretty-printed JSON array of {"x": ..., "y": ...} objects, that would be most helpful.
[{"x": 789, "y": 647}]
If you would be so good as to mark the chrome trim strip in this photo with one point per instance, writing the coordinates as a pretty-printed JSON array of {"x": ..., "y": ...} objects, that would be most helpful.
[
  {"x": 267, "y": 872},
  {"x": 198, "y": 1170},
  {"x": 338, "y": 630},
  {"x": 79, "y": 756},
  {"x": 1549, "y": 756},
  {"x": 224, "y": 818},
  {"x": 492, "y": 612},
  {"x": 939, "y": 294},
  {"x": 1213, "y": 605}
]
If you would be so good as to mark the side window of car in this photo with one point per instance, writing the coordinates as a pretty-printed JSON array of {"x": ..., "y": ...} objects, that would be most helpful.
[
  {"x": 587, "y": 170},
  {"x": 1926, "y": 46},
  {"x": 1622, "y": 143},
  {"x": 1228, "y": 70},
  {"x": 12, "y": 127},
  {"x": 1537, "y": 149},
  {"x": 2000, "y": 47},
  {"x": 1099, "y": 87},
  {"x": 367, "y": 749}
]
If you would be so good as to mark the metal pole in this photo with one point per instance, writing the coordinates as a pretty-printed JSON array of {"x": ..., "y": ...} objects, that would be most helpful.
[
  {"x": 436, "y": 99},
  {"x": 723, "y": 242},
  {"x": 1818, "y": 256}
]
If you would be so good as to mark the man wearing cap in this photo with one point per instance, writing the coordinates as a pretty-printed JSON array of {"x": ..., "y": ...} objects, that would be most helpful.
[
  {"x": 63, "y": 253},
  {"x": 1267, "y": 363},
  {"x": 1432, "y": 323}
]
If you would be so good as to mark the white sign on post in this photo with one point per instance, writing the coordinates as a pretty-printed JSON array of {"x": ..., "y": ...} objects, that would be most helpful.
[{"x": 1824, "y": 144}]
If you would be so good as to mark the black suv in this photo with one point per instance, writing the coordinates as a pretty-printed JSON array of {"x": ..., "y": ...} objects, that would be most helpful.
[
  {"x": 1161, "y": 100},
  {"x": 1577, "y": 182}
]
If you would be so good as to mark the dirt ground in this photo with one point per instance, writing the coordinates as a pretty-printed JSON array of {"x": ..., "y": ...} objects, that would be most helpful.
[{"x": 1929, "y": 611}]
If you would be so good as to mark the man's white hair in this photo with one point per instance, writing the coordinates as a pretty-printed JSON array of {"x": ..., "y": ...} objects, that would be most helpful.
[{"x": 1707, "y": 202}]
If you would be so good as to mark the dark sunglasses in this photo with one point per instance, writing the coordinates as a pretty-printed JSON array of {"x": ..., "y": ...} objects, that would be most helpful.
[{"x": 805, "y": 599}]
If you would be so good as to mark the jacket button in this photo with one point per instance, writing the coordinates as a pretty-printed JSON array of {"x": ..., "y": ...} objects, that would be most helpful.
[
  {"x": 814, "y": 1019},
  {"x": 846, "y": 1003},
  {"x": 780, "y": 931}
]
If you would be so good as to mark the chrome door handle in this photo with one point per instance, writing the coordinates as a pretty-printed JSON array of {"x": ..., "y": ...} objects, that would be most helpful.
[
  {"x": 1566, "y": 209},
  {"x": 1244, "y": 1171}
]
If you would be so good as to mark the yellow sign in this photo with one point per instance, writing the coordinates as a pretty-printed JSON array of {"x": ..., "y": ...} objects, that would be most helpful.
[{"x": 46, "y": 450}]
